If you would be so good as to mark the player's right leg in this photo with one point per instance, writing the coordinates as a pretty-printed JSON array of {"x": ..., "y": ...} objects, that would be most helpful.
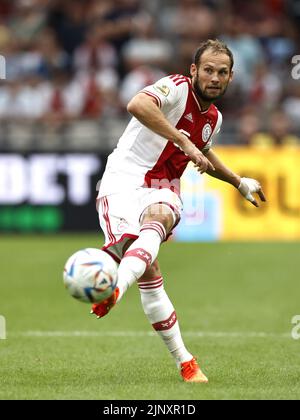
[
  {"x": 144, "y": 250},
  {"x": 157, "y": 221},
  {"x": 148, "y": 217},
  {"x": 161, "y": 314}
]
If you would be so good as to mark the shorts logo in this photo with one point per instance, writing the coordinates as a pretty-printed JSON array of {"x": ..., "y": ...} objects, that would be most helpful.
[
  {"x": 123, "y": 224},
  {"x": 206, "y": 133},
  {"x": 165, "y": 90}
]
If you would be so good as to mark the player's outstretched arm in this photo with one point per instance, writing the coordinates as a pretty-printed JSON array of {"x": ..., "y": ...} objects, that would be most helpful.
[
  {"x": 246, "y": 186},
  {"x": 144, "y": 108}
]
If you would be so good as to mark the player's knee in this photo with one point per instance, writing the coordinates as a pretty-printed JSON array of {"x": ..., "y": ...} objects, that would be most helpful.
[
  {"x": 159, "y": 213},
  {"x": 152, "y": 272}
]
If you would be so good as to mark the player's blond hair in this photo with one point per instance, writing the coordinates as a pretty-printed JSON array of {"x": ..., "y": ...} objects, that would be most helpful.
[{"x": 216, "y": 46}]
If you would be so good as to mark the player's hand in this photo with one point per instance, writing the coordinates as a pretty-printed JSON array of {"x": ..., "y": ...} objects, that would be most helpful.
[
  {"x": 202, "y": 163},
  {"x": 250, "y": 186},
  {"x": 197, "y": 157}
]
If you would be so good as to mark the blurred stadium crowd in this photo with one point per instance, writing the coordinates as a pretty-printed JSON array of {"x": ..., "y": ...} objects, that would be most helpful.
[{"x": 72, "y": 66}]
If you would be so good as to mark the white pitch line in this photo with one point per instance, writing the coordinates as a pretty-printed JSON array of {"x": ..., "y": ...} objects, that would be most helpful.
[{"x": 134, "y": 334}]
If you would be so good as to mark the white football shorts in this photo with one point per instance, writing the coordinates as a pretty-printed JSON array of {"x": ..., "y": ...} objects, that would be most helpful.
[{"x": 120, "y": 215}]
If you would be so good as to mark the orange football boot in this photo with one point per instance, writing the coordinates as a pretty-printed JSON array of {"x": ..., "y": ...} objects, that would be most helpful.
[
  {"x": 191, "y": 372},
  {"x": 102, "y": 309}
]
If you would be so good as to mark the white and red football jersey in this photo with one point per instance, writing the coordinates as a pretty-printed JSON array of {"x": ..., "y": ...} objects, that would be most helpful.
[{"x": 145, "y": 159}]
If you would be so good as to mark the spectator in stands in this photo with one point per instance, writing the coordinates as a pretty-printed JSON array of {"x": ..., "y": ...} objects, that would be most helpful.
[
  {"x": 146, "y": 58},
  {"x": 67, "y": 18},
  {"x": 65, "y": 102},
  {"x": 6, "y": 8},
  {"x": 24, "y": 100},
  {"x": 189, "y": 23},
  {"x": 246, "y": 49},
  {"x": 248, "y": 125},
  {"x": 118, "y": 21},
  {"x": 27, "y": 22},
  {"x": 271, "y": 25},
  {"x": 95, "y": 52},
  {"x": 95, "y": 63},
  {"x": 291, "y": 104},
  {"x": 266, "y": 89},
  {"x": 77, "y": 60},
  {"x": 9, "y": 100},
  {"x": 100, "y": 93},
  {"x": 53, "y": 57},
  {"x": 279, "y": 133}
]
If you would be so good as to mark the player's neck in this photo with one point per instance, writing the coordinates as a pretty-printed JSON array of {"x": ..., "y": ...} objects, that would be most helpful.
[{"x": 204, "y": 105}]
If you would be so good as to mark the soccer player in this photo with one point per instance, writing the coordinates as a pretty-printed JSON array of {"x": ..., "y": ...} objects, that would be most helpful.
[{"x": 174, "y": 122}]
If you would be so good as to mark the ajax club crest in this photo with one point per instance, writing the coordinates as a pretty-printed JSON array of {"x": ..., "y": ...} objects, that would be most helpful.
[{"x": 206, "y": 133}]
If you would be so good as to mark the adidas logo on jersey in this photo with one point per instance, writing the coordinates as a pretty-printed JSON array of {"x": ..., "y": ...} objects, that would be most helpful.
[{"x": 189, "y": 117}]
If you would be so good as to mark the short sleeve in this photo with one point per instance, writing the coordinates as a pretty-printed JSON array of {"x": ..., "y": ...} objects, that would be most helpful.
[{"x": 165, "y": 91}]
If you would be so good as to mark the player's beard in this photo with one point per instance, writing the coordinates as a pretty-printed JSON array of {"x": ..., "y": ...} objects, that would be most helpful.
[{"x": 203, "y": 96}]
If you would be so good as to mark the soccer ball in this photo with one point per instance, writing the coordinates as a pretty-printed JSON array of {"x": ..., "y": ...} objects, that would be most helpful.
[{"x": 90, "y": 275}]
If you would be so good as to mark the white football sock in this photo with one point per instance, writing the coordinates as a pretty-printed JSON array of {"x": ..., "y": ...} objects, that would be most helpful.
[
  {"x": 140, "y": 255},
  {"x": 160, "y": 312}
]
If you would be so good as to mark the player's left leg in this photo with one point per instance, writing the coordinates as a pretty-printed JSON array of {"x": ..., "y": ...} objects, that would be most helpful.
[{"x": 161, "y": 314}]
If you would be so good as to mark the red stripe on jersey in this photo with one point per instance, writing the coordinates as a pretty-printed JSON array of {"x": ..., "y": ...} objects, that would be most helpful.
[
  {"x": 176, "y": 79},
  {"x": 181, "y": 81},
  {"x": 174, "y": 76},
  {"x": 104, "y": 206},
  {"x": 158, "y": 100},
  {"x": 167, "y": 324},
  {"x": 108, "y": 221}
]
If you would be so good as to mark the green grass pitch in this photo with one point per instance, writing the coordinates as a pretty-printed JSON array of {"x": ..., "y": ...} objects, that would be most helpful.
[{"x": 234, "y": 301}]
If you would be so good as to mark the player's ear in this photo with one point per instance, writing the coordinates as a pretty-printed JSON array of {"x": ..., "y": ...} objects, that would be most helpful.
[
  {"x": 193, "y": 69},
  {"x": 231, "y": 76}
]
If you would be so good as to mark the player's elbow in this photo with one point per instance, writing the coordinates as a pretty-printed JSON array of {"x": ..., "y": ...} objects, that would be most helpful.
[
  {"x": 132, "y": 106},
  {"x": 135, "y": 106}
]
